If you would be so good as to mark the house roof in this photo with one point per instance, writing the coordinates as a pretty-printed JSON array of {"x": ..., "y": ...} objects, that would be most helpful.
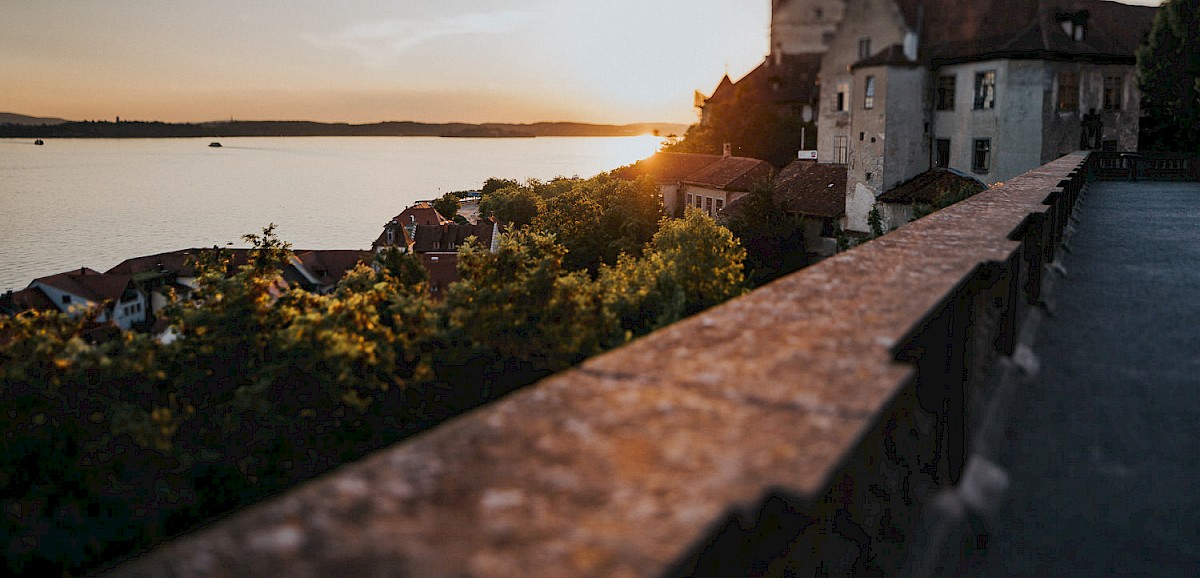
[
  {"x": 791, "y": 79},
  {"x": 400, "y": 235},
  {"x": 177, "y": 262},
  {"x": 731, "y": 174},
  {"x": 723, "y": 91},
  {"x": 447, "y": 237},
  {"x": 667, "y": 167},
  {"x": 442, "y": 269},
  {"x": 421, "y": 213},
  {"x": 27, "y": 299},
  {"x": 891, "y": 56},
  {"x": 88, "y": 284},
  {"x": 813, "y": 189},
  {"x": 963, "y": 30},
  {"x": 929, "y": 186},
  {"x": 328, "y": 266}
]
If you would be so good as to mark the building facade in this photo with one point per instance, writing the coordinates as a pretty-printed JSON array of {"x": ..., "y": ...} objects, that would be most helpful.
[{"x": 988, "y": 88}]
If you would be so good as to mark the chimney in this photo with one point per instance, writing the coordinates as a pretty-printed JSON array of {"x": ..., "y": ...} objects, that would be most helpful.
[{"x": 728, "y": 151}]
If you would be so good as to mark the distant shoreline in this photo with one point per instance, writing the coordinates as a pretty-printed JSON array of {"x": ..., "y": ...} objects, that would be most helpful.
[{"x": 141, "y": 129}]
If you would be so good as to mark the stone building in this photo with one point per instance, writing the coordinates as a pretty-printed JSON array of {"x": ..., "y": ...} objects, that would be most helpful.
[{"x": 990, "y": 88}]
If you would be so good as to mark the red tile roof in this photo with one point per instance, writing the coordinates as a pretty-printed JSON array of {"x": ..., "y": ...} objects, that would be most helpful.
[
  {"x": 812, "y": 189},
  {"x": 929, "y": 186},
  {"x": 731, "y": 174},
  {"x": 442, "y": 269},
  {"x": 448, "y": 237},
  {"x": 330, "y": 265},
  {"x": 28, "y": 299},
  {"x": 667, "y": 167},
  {"x": 421, "y": 213},
  {"x": 400, "y": 236},
  {"x": 88, "y": 283},
  {"x": 174, "y": 261}
]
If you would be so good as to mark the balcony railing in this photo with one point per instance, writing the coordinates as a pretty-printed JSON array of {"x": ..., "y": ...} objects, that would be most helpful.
[{"x": 803, "y": 428}]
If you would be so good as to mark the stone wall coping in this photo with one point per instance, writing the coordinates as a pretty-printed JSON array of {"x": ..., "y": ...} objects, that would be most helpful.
[{"x": 619, "y": 466}]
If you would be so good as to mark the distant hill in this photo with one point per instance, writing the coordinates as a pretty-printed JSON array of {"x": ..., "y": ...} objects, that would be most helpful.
[
  {"x": 64, "y": 129},
  {"x": 13, "y": 118}
]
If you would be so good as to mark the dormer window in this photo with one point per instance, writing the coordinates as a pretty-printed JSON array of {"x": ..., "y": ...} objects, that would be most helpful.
[
  {"x": 1074, "y": 30},
  {"x": 1073, "y": 25}
]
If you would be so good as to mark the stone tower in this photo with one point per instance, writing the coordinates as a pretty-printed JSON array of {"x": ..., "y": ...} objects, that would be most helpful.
[{"x": 804, "y": 26}]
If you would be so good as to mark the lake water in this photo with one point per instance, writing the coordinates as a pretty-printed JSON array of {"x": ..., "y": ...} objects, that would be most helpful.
[{"x": 97, "y": 202}]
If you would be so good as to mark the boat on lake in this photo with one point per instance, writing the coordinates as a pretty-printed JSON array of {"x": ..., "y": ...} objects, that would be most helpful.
[
  {"x": 39, "y": 142},
  {"x": 215, "y": 145}
]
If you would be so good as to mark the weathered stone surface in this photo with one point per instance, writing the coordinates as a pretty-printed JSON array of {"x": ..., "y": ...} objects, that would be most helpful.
[{"x": 618, "y": 467}]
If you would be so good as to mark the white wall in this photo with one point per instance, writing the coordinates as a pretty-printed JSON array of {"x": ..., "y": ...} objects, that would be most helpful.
[
  {"x": 1014, "y": 125},
  {"x": 878, "y": 20},
  {"x": 906, "y": 146}
]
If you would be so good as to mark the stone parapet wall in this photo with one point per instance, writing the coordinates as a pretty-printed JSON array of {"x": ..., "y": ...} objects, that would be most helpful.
[{"x": 799, "y": 428}]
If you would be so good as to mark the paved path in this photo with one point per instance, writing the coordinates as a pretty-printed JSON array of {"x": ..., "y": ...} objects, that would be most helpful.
[{"x": 1103, "y": 447}]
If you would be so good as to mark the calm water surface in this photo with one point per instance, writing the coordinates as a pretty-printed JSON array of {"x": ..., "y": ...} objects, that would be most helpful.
[{"x": 97, "y": 202}]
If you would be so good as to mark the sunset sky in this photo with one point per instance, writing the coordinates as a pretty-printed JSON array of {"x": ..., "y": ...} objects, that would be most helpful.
[{"x": 606, "y": 61}]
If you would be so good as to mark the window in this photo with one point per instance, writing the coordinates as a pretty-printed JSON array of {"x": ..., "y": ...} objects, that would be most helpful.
[
  {"x": 827, "y": 228},
  {"x": 945, "y": 92},
  {"x": 708, "y": 205},
  {"x": 1068, "y": 91},
  {"x": 1114, "y": 92},
  {"x": 1073, "y": 27},
  {"x": 864, "y": 47},
  {"x": 66, "y": 299},
  {"x": 720, "y": 205},
  {"x": 941, "y": 152},
  {"x": 985, "y": 90},
  {"x": 982, "y": 159},
  {"x": 841, "y": 149},
  {"x": 869, "y": 94},
  {"x": 689, "y": 200},
  {"x": 843, "y": 97}
]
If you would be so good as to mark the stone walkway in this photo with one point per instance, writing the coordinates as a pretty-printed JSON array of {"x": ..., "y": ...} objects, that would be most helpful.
[{"x": 1102, "y": 447}]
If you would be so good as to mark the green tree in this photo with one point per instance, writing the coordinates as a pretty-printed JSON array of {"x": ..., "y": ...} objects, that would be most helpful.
[
  {"x": 774, "y": 243},
  {"x": 701, "y": 261},
  {"x": 402, "y": 267},
  {"x": 514, "y": 205},
  {"x": 599, "y": 218},
  {"x": 1168, "y": 71},
  {"x": 493, "y": 184},
  {"x": 447, "y": 205},
  {"x": 875, "y": 221},
  {"x": 520, "y": 303}
]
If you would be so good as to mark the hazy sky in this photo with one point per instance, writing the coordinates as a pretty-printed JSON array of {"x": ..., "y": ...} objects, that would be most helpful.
[{"x": 610, "y": 61}]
